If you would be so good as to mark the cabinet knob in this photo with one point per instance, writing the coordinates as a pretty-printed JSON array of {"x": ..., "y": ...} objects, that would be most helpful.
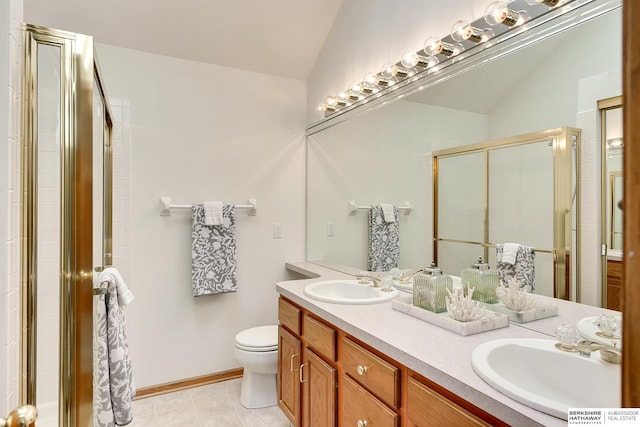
[
  {"x": 363, "y": 423},
  {"x": 362, "y": 370}
]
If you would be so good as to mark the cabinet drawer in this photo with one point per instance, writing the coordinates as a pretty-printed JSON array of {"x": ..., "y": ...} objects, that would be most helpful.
[
  {"x": 426, "y": 407},
  {"x": 376, "y": 374},
  {"x": 320, "y": 337},
  {"x": 289, "y": 316},
  {"x": 358, "y": 406}
]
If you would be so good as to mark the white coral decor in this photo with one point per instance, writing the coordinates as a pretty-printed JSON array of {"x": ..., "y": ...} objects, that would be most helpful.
[
  {"x": 463, "y": 308},
  {"x": 515, "y": 298}
]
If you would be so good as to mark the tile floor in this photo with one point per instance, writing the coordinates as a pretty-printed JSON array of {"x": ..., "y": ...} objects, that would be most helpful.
[{"x": 213, "y": 405}]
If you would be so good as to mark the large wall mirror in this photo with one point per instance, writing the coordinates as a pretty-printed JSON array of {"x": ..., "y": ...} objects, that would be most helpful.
[{"x": 384, "y": 155}]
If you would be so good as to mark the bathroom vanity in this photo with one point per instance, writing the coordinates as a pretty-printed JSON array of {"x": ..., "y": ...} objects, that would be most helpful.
[{"x": 359, "y": 365}]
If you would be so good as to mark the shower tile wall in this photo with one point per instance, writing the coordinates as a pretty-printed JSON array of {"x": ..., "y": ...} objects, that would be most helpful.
[
  {"x": 49, "y": 202},
  {"x": 590, "y": 202},
  {"x": 121, "y": 111},
  {"x": 10, "y": 347}
]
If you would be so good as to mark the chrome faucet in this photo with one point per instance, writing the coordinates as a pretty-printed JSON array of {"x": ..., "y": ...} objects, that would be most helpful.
[
  {"x": 608, "y": 353},
  {"x": 365, "y": 277}
]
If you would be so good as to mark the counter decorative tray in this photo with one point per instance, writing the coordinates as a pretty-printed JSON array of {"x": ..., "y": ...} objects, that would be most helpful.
[
  {"x": 536, "y": 313},
  {"x": 491, "y": 321}
]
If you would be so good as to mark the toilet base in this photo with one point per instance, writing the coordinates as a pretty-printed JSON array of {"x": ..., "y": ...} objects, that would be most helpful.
[{"x": 258, "y": 390}]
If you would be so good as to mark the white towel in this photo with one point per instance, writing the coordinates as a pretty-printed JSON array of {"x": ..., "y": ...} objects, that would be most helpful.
[
  {"x": 213, "y": 213},
  {"x": 112, "y": 275},
  {"x": 388, "y": 212},
  {"x": 510, "y": 253}
]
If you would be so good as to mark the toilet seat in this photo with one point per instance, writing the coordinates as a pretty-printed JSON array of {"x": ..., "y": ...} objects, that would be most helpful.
[{"x": 258, "y": 339}]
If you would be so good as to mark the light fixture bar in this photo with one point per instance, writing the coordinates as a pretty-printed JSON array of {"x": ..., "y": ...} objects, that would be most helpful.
[{"x": 471, "y": 54}]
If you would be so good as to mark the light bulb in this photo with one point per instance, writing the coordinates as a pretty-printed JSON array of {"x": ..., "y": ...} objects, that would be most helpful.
[
  {"x": 434, "y": 46},
  {"x": 368, "y": 85},
  {"x": 341, "y": 99},
  {"x": 383, "y": 81},
  {"x": 462, "y": 30},
  {"x": 498, "y": 13},
  {"x": 328, "y": 109},
  {"x": 387, "y": 70},
  {"x": 331, "y": 101},
  {"x": 412, "y": 59},
  {"x": 355, "y": 92}
]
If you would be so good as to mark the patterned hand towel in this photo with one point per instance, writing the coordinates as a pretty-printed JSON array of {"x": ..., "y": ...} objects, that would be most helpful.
[
  {"x": 213, "y": 253},
  {"x": 523, "y": 269},
  {"x": 384, "y": 241},
  {"x": 113, "y": 385}
]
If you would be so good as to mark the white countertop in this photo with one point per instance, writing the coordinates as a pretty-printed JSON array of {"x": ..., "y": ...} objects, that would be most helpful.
[{"x": 440, "y": 355}]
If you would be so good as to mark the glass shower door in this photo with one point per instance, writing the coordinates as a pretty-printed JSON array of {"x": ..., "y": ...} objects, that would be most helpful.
[{"x": 60, "y": 219}]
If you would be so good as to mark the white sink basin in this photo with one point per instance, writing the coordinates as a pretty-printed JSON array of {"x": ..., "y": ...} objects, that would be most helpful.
[
  {"x": 348, "y": 292},
  {"x": 536, "y": 373}
]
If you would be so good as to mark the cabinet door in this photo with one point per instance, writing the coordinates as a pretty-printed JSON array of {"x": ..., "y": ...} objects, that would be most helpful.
[
  {"x": 288, "y": 375},
  {"x": 318, "y": 391}
]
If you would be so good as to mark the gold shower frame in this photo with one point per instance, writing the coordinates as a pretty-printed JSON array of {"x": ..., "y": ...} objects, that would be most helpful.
[
  {"x": 562, "y": 205},
  {"x": 79, "y": 76}
]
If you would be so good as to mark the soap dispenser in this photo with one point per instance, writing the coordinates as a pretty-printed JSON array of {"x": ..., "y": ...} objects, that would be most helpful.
[
  {"x": 483, "y": 280},
  {"x": 430, "y": 289}
]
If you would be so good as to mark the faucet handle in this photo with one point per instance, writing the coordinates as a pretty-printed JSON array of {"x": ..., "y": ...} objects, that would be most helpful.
[{"x": 608, "y": 353}]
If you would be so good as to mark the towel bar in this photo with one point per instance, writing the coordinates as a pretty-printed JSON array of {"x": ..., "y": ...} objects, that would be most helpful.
[
  {"x": 353, "y": 207},
  {"x": 166, "y": 206},
  {"x": 102, "y": 290}
]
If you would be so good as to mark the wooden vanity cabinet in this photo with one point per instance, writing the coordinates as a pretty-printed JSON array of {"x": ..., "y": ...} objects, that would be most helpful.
[
  {"x": 327, "y": 378},
  {"x": 307, "y": 375},
  {"x": 614, "y": 284}
]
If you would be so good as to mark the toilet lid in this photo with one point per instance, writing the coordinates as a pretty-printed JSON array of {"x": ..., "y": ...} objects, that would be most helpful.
[{"x": 260, "y": 338}]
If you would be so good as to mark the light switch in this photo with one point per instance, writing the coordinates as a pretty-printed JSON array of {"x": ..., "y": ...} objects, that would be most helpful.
[
  {"x": 331, "y": 229},
  {"x": 277, "y": 230}
]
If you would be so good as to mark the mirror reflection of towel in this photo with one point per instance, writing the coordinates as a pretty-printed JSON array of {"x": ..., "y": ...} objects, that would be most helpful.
[
  {"x": 523, "y": 269},
  {"x": 384, "y": 241},
  {"x": 510, "y": 253}
]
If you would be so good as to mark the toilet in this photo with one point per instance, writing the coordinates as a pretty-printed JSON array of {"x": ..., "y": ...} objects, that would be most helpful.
[{"x": 257, "y": 352}]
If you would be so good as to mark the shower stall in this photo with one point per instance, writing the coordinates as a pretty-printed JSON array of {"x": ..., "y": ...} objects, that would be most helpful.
[
  {"x": 521, "y": 189},
  {"x": 66, "y": 200}
]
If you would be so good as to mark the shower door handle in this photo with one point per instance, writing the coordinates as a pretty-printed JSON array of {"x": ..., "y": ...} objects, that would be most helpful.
[{"x": 23, "y": 416}]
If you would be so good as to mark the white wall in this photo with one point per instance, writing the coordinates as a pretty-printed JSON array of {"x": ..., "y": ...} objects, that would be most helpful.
[
  {"x": 369, "y": 33},
  {"x": 204, "y": 132},
  {"x": 10, "y": 71}
]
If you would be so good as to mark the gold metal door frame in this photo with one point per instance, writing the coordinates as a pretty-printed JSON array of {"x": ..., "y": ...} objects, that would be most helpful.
[
  {"x": 604, "y": 105},
  {"x": 79, "y": 76}
]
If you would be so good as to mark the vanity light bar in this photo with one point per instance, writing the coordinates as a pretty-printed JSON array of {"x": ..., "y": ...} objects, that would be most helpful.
[{"x": 502, "y": 16}]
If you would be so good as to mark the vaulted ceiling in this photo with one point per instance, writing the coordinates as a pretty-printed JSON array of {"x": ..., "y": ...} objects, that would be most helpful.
[{"x": 278, "y": 37}]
